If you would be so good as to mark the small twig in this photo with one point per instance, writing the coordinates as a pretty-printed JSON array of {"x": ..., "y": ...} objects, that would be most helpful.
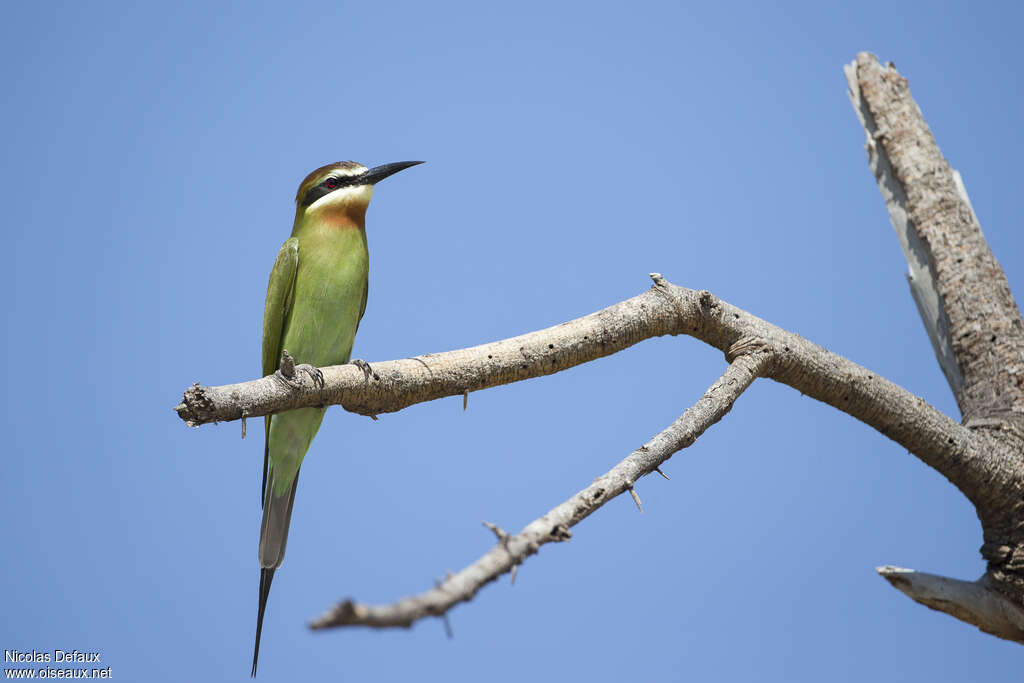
[
  {"x": 498, "y": 531},
  {"x": 512, "y": 579},
  {"x": 447, "y": 626},
  {"x": 636, "y": 498},
  {"x": 245, "y": 414},
  {"x": 658, "y": 470},
  {"x": 444, "y": 617},
  {"x": 465, "y": 399}
]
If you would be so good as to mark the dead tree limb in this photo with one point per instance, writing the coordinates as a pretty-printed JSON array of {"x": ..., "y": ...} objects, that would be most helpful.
[
  {"x": 965, "y": 303},
  {"x": 972, "y": 601},
  {"x": 663, "y": 309},
  {"x": 974, "y": 324},
  {"x": 961, "y": 454},
  {"x": 961, "y": 291},
  {"x": 511, "y": 551}
]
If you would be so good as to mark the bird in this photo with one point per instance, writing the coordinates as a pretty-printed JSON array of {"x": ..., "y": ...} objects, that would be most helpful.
[{"x": 315, "y": 299}]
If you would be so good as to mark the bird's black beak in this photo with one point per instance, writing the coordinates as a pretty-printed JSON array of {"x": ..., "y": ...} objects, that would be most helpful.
[{"x": 379, "y": 173}]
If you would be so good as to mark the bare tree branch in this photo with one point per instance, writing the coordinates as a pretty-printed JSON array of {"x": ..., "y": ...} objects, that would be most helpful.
[
  {"x": 972, "y": 601},
  {"x": 961, "y": 291},
  {"x": 921, "y": 277},
  {"x": 976, "y": 330},
  {"x": 979, "y": 464},
  {"x": 664, "y": 309},
  {"x": 401, "y": 383},
  {"x": 511, "y": 551}
]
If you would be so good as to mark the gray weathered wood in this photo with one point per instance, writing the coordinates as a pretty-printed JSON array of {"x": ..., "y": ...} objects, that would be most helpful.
[
  {"x": 513, "y": 550},
  {"x": 976, "y": 330},
  {"x": 965, "y": 304}
]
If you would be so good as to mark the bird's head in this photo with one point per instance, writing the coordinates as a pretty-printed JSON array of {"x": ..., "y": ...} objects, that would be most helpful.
[{"x": 342, "y": 190}]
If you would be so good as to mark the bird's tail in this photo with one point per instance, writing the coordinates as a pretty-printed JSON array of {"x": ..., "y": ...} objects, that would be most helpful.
[
  {"x": 266, "y": 577},
  {"x": 277, "y": 515}
]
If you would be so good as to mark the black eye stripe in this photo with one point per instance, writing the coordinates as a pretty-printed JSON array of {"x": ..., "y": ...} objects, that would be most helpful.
[{"x": 317, "y": 191}]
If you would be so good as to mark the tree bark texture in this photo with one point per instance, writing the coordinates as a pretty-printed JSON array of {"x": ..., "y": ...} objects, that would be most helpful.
[
  {"x": 981, "y": 320},
  {"x": 965, "y": 303},
  {"x": 964, "y": 299}
]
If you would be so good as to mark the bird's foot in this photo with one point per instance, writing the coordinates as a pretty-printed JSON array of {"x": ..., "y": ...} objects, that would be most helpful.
[
  {"x": 314, "y": 374},
  {"x": 289, "y": 368},
  {"x": 365, "y": 367}
]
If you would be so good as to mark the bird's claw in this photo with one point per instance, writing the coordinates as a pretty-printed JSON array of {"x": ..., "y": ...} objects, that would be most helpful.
[
  {"x": 314, "y": 374},
  {"x": 365, "y": 367},
  {"x": 288, "y": 367}
]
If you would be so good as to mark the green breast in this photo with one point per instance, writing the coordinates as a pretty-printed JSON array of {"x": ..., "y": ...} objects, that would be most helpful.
[{"x": 329, "y": 288}]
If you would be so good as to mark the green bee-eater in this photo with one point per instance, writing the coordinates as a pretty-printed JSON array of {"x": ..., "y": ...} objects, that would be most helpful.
[{"x": 315, "y": 299}]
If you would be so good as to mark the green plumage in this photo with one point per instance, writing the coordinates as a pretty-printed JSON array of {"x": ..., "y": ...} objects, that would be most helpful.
[{"x": 315, "y": 299}]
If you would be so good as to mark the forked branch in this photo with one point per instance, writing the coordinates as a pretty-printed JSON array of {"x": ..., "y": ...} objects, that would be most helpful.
[
  {"x": 513, "y": 550},
  {"x": 975, "y": 327},
  {"x": 963, "y": 456},
  {"x": 663, "y": 309},
  {"x": 966, "y": 306}
]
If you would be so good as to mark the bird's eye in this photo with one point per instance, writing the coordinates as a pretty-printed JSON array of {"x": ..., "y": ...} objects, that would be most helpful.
[{"x": 331, "y": 183}]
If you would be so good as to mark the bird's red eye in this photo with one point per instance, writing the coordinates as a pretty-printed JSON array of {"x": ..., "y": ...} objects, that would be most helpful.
[{"x": 331, "y": 183}]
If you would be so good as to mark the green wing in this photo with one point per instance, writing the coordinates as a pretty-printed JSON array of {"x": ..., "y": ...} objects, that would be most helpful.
[
  {"x": 362, "y": 307},
  {"x": 280, "y": 295}
]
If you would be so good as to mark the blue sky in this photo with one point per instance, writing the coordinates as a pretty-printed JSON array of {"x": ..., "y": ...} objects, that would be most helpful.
[{"x": 151, "y": 152}]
